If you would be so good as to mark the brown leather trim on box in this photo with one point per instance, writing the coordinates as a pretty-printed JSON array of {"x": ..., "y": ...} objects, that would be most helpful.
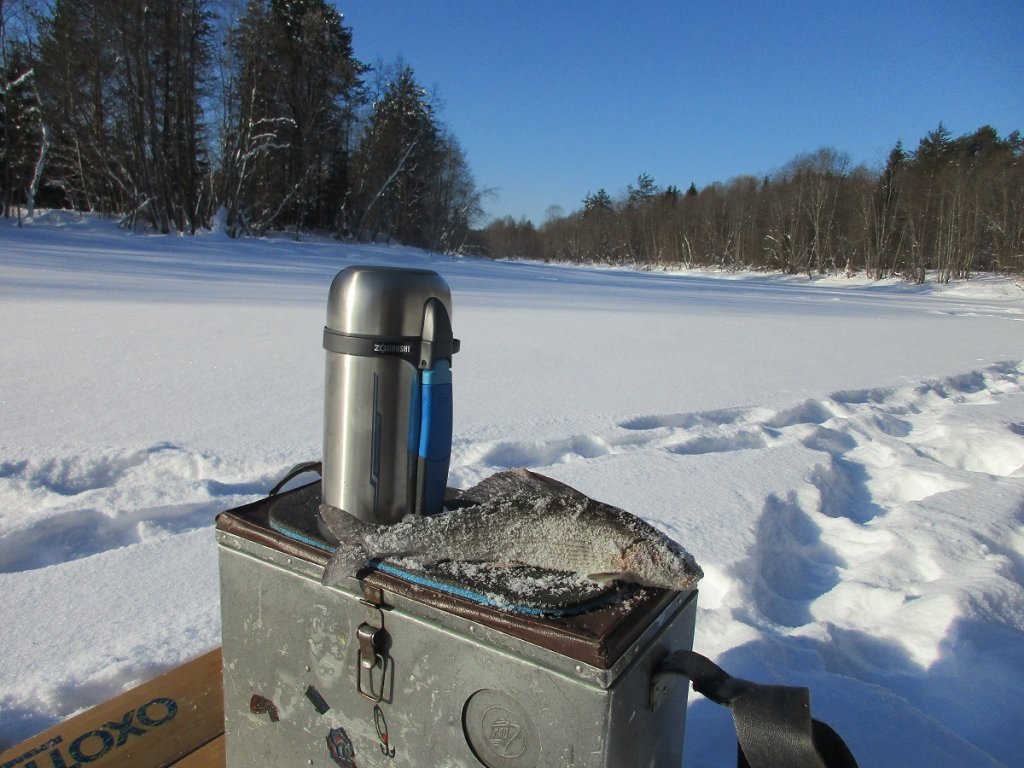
[
  {"x": 251, "y": 522},
  {"x": 598, "y": 637}
]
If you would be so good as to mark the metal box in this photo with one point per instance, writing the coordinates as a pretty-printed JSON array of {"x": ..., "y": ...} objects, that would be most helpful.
[{"x": 386, "y": 672}]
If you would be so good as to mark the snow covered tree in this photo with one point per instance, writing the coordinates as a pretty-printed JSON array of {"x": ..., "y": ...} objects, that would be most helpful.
[
  {"x": 640, "y": 220},
  {"x": 644, "y": 192},
  {"x": 598, "y": 203},
  {"x": 163, "y": 56},
  {"x": 121, "y": 84},
  {"x": 294, "y": 85},
  {"x": 398, "y": 153},
  {"x": 18, "y": 118},
  {"x": 75, "y": 72},
  {"x": 507, "y": 238},
  {"x": 597, "y": 223},
  {"x": 885, "y": 235},
  {"x": 955, "y": 204},
  {"x": 116, "y": 104},
  {"x": 23, "y": 140}
]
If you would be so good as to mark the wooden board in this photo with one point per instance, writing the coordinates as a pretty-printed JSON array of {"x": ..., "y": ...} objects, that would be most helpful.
[
  {"x": 209, "y": 755},
  {"x": 177, "y": 715}
]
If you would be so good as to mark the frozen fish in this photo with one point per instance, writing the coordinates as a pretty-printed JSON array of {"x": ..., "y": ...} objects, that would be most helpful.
[{"x": 519, "y": 517}]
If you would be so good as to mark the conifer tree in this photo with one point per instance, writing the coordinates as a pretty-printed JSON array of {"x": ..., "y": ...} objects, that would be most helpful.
[
  {"x": 294, "y": 86},
  {"x": 398, "y": 153},
  {"x": 120, "y": 84},
  {"x": 23, "y": 140},
  {"x": 20, "y": 138}
]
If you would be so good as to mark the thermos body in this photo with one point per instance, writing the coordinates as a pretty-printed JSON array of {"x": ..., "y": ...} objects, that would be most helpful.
[{"x": 387, "y": 392}]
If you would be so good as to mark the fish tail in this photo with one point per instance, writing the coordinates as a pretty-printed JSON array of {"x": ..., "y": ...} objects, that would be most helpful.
[
  {"x": 344, "y": 562},
  {"x": 350, "y": 554}
]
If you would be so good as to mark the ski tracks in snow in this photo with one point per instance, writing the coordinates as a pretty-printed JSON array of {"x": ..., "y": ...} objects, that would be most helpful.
[
  {"x": 877, "y": 534},
  {"x": 865, "y": 510},
  {"x": 89, "y": 541},
  {"x": 58, "y": 509}
]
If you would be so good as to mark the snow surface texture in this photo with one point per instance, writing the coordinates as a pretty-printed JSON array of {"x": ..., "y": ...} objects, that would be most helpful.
[{"x": 844, "y": 459}]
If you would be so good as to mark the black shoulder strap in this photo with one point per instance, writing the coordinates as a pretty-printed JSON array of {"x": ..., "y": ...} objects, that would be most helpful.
[{"x": 774, "y": 727}]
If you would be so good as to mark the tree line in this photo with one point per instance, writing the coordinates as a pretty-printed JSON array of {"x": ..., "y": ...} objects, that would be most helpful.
[
  {"x": 953, "y": 204},
  {"x": 164, "y": 114}
]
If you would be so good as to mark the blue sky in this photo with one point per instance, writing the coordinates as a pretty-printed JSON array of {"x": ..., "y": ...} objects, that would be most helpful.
[{"x": 554, "y": 99}]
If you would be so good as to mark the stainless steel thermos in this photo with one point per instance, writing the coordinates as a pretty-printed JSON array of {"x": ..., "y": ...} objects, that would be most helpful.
[{"x": 388, "y": 393}]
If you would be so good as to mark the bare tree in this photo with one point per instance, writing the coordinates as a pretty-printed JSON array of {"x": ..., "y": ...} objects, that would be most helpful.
[{"x": 954, "y": 205}]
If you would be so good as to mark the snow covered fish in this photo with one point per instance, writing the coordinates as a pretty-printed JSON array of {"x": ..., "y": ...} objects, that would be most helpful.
[{"x": 519, "y": 517}]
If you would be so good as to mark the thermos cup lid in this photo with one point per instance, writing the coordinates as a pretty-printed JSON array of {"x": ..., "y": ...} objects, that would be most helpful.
[{"x": 383, "y": 301}]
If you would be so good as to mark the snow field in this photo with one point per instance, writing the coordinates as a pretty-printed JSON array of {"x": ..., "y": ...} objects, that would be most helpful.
[{"x": 845, "y": 460}]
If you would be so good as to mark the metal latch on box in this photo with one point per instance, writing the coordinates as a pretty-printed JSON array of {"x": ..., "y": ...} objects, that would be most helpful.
[{"x": 372, "y": 638}]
